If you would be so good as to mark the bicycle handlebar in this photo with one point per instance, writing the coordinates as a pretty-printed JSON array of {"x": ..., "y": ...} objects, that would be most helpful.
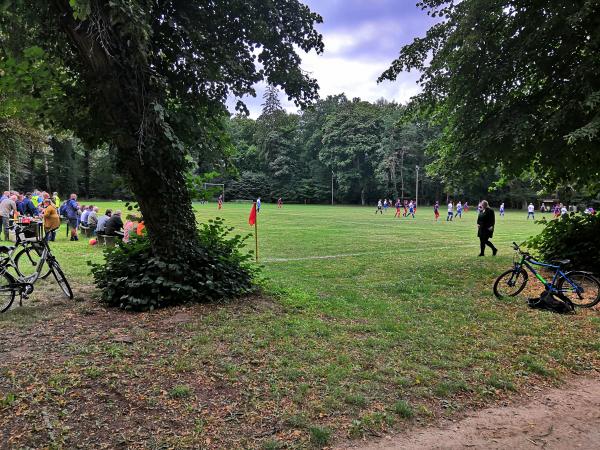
[{"x": 521, "y": 252}]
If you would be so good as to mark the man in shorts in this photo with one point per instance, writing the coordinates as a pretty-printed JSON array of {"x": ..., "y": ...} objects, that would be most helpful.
[
  {"x": 450, "y": 215},
  {"x": 71, "y": 209}
]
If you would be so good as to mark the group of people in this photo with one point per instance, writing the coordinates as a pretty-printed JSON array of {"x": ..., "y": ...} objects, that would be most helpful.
[
  {"x": 403, "y": 208},
  {"x": 34, "y": 204},
  {"x": 48, "y": 208},
  {"x": 109, "y": 224}
]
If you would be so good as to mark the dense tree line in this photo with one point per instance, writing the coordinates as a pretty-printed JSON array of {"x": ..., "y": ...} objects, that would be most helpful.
[{"x": 362, "y": 151}]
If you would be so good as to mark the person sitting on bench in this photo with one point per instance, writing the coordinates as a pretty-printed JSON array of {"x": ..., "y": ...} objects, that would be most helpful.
[{"x": 114, "y": 225}]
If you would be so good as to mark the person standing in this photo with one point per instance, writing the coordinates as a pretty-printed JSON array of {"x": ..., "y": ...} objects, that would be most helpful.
[
  {"x": 459, "y": 209},
  {"x": 485, "y": 228},
  {"x": 280, "y": 202},
  {"x": 258, "y": 204},
  {"x": 436, "y": 210},
  {"x": 72, "y": 212},
  {"x": 398, "y": 205},
  {"x": 8, "y": 207},
  {"x": 501, "y": 209},
  {"x": 530, "y": 211},
  {"x": 450, "y": 212},
  {"x": 411, "y": 209},
  {"x": 51, "y": 220},
  {"x": 379, "y": 207}
]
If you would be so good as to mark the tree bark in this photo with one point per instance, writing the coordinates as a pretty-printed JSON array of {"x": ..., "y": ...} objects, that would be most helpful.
[
  {"x": 151, "y": 160},
  {"x": 87, "y": 154},
  {"x": 32, "y": 155}
]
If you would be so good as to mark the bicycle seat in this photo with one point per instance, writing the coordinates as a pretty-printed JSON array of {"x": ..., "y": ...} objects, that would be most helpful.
[
  {"x": 562, "y": 262},
  {"x": 6, "y": 248}
]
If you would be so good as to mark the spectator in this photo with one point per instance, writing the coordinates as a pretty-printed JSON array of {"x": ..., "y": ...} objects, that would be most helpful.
[
  {"x": 485, "y": 228},
  {"x": 8, "y": 207},
  {"x": 71, "y": 211},
  {"x": 114, "y": 225},
  {"x": 86, "y": 214},
  {"x": 27, "y": 206},
  {"x": 102, "y": 221},
  {"x": 56, "y": 199},
  {"x": 5, "y": 195},
  {"x": 51, "y": 219},
  {"x": 93, "y": 218}
]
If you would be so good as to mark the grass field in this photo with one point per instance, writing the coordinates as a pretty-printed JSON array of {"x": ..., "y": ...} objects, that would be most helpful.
[{"x": 367, "y": 323}]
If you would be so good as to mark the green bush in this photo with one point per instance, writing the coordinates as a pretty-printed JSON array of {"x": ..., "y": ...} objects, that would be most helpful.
[
  {"x": 575, "y": 237},
  {"x": 134, "y": 278}
]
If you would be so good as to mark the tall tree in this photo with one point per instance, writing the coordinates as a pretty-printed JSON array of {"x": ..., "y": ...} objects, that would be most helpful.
[
  {"x": 513, "y": 82},
  {"x": 143, "y": 66}
]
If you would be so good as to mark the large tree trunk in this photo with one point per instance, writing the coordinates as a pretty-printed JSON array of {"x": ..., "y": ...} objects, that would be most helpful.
[
  {"x": 32, "y": 159},
  {"x": 152, "y": 161}
]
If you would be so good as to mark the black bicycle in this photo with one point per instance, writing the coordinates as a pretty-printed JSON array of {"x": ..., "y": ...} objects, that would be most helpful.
[
  {"x": 580, "y": 287},
  {"x": 22, "y": 284}
]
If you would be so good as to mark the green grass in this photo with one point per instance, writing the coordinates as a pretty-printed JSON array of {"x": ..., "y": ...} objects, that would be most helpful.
[{"x": 375, "y": 320}]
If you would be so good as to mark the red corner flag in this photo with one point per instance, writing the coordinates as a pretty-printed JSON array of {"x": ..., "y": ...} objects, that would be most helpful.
[{"x": 252, "y": 218}]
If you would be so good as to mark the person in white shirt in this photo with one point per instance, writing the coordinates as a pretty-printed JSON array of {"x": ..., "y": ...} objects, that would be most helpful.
[
  {"x": 530, "y": 211},
  {"x": 563, "y": 210},
  {"x": 450, "y": 212}
]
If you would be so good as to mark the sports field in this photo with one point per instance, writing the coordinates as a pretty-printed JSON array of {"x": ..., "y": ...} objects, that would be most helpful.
[{"x": 366, "y": 322}]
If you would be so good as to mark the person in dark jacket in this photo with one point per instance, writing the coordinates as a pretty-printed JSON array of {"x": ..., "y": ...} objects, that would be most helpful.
[
  {"x": 26, "y": 206},
  {"x": 485, "y": 224},
  {"x": 114, "y": 225}
]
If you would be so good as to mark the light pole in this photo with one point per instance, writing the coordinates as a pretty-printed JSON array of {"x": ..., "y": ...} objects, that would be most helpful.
[
  {"x": 417, "y": 188},
  {"x": 332, "y": 186}
]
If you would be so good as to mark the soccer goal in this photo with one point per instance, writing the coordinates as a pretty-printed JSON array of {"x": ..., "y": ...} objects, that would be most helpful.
[{"x": 211, "y": 185}]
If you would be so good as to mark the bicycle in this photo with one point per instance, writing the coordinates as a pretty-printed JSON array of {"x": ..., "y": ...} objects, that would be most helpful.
[
  {"x": 580, "y": 287},
  {"x": 22, "y": 285}
]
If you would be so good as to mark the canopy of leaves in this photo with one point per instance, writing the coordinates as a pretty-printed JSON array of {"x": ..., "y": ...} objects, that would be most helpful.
[{"x": 512, "y": 82}]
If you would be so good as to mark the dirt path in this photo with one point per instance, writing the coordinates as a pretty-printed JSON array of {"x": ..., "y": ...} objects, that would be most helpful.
[{"x": 564, "y": 418}]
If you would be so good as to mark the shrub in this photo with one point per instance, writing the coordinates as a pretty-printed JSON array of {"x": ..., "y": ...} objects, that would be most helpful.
[
  {"x": 134, "y": 278},
  {"x": 575, "y": 237}
]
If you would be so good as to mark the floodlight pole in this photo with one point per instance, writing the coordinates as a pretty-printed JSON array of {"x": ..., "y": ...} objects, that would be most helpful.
[
  {"x": 332, "y": 186},
  {"x": 417, "y": 188}
]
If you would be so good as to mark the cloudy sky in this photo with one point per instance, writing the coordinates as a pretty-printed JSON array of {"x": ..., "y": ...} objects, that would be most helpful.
[{"x": 362, "y": 38}]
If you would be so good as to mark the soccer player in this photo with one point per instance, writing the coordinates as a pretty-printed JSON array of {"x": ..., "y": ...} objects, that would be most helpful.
[
  {"x": 379, "y": 207},
  {"x": 405, "y": 208},
  {"x": 258, "y": 204},
  {"x": 530, "y": 211},
  {"x": 466, "y": 207},
  {"x": 459, "y": 209},
  {"x": 385, "y": 205},
  {"x": 411, "y": 209},
  {"x": 220, "y": 202},
  {"x": 501, "y": 209},
  {"x": 398, "y": 205},
  {"x": 436, "y": 210},
  {"x": 279, "y": 202},
  {"x": 450, "y": 212}
]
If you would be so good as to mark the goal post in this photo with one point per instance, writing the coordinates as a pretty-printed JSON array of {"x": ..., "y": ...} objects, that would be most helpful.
[{"x": 207, "y": 185}]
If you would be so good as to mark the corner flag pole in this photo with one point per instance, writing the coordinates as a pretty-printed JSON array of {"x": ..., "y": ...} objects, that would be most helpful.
[{"x": 256, "y": 236}]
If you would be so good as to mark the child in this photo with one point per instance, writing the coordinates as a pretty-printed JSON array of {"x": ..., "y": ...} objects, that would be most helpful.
[
  {"x": 398, "y": 204},
  {"x": 501, "y": 210},
  {"x": 379, "y": 207},
  {"x": 530, "y": 211},
  {"x": 450, "y": 212},
  {"x": 411, "y": 209},
  {"x": 436, "y": 210},
  {"x": 459, "y": 209}
]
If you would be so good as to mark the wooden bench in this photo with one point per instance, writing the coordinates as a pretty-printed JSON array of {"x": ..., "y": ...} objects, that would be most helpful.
[
  {"x": 87, "y": 231},
  {"x": 108, "y": 241}
]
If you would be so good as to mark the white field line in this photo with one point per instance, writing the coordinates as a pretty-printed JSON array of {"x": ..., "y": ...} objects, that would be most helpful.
[{"x": 349, "y": 255}]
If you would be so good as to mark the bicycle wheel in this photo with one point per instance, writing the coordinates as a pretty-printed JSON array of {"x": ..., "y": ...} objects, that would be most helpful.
[
  {"x": 27, "y": 261},
  {"x": 582, "y": 288},
  {"x": 7, "y": 291},
  {"x": 510, "y": 283},
  {"x": 60, "y": 278}
]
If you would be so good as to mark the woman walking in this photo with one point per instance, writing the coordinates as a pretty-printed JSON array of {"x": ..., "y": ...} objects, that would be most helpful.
[{"x": 485, "y": 223}]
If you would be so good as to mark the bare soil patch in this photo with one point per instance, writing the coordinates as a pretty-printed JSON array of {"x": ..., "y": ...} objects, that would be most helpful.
[{"x": 560, "y": 418}]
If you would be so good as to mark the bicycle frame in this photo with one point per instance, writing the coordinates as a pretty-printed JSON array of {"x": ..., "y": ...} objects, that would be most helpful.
[{"x": 558, "y": 273}]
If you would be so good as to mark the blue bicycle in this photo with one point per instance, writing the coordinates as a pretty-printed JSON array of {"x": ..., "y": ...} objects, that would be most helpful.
[{"x": 582, "y": 288}]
